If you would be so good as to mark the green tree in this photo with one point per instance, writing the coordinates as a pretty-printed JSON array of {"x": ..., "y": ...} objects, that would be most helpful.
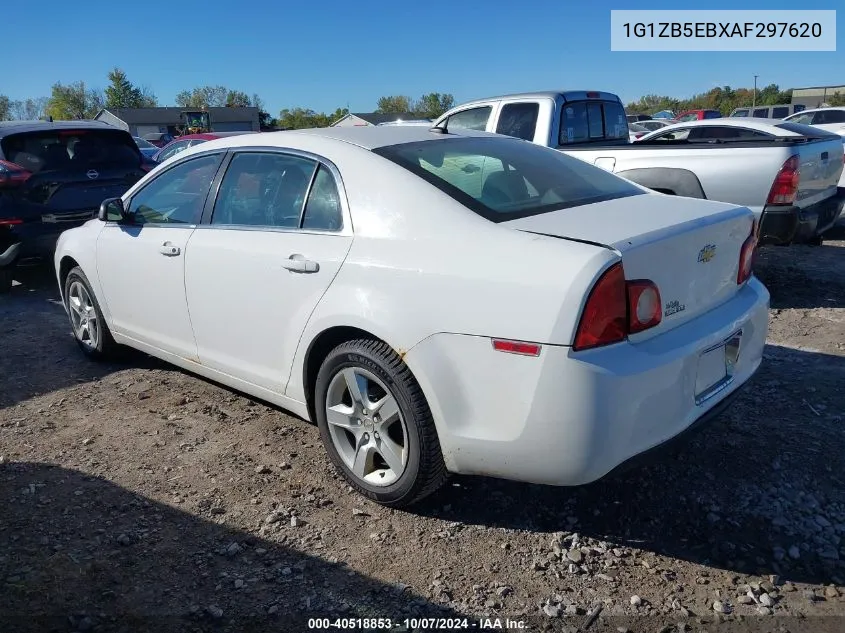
[
  {"x": 838, "y": 99},
  {"x": 394, "y": 104},
  {"x": 432, "y": 105},
  {"x": 73, "y": 101},
  {"x": 302, "y": 118},
  {"x": 5, "y": 108},
  {"x": 237, "y": 99},
  {"x": 203, "y": 97},
  {"x": 29, "y": 109},
  {"x": 122, "y": 93}
]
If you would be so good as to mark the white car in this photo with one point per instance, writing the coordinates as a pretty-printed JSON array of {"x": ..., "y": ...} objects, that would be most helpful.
[
  {"x": 830, "y": 119},
  {"x": 436, "y": 302}
]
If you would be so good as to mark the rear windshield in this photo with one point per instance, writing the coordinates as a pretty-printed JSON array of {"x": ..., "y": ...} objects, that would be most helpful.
[
  {"x": 52, "y": 150},
  {"x": 805, "y": 130},
  {"x": 591, "y": 121},
  {"x": 504, "y": 179}
]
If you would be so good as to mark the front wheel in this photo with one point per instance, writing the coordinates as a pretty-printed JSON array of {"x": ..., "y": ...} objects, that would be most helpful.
[
  {"x": 86, "y": 319},
  {"x": 376, "y": 425}
]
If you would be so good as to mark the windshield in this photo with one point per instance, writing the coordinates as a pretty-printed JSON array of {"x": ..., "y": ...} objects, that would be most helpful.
[
  {"x": 591, "y": 121},
  {"x": 504, "y": 179}
]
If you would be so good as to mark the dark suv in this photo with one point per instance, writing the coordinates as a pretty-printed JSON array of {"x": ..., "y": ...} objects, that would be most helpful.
[{"x": 53, "y": 176}]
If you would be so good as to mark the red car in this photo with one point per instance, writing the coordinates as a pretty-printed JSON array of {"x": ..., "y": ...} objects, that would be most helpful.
[
  {"x": 697, "y": 115},
  {"x": 189, "y": 140}
]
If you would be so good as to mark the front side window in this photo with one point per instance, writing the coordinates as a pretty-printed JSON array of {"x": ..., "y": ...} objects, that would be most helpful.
[
  {"x": 175, "y": 196},
  {"x": 679, "y": 134},
  {"x": 518, "y": 120},
  {"x": 740, "y": 113},
  {"x": 692, "y": 116},
  {"x": 591, "y": 121},
  {"x": 830, "y": 116},
  {"x": 472, "y": 119},
  {"x": 804, "y": 119},
  {"x": 502, "y": 179}
]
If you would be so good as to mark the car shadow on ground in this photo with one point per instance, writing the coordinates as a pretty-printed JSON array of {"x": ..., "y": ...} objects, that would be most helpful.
[
  {"x": 81, "y": 553},
  {"x": 803, "y": 276},
  {"x": 757, "y": 494}
]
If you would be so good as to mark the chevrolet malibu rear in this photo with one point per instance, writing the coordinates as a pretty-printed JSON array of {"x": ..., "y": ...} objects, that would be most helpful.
[{"x": 656, "y": 325}]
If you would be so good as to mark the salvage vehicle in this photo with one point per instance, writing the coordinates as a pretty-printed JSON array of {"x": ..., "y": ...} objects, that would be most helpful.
[
  {"x": 784, "y": 172},
  {"x": 53, "y": 176},
  {"x": 435, "y": 302}
]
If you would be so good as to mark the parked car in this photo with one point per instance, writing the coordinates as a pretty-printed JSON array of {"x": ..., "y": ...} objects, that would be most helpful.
[
  {"x": 53, "y": 176},
  {"x": 634, "y": 118},
  {"x": 830, "y": 119},
  {"x": 636, "y": 131},
  {"x": 159, "y": 139},
  {"x": 750, "y": 162},
  {"x": 697, "y": 115},
  {"x": 189, "y": 140},
  {"x": 356, "y": 234},
  {"x": 147, "y": 148},
  {"x": 654, "y": 124},
  {"x": 767, "y": 112}
]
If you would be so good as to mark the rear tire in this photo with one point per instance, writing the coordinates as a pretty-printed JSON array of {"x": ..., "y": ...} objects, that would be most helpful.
[
  {"x": 381, "y": 438},
  {"x": 90, "y": 330}
]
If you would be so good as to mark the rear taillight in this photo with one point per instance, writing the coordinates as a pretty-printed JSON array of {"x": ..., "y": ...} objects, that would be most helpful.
[
  {"x": 746, "y": 256},
  {"x": 785, "y": 186},
  {"x": 616, "y": 308},
  {"x": 12, "y": 174},
  {"x": 10, "y": 221}
]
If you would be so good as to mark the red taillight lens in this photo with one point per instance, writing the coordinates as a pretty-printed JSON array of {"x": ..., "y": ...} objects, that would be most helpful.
[
  {"x": 746, "y": 256},
  {"x": 12, "y": 174},
  {"x": 605, "y": 316},
  {"x": 644, "y": 309},
  {"x": 516, "y": 347},
  {"x": 10, "y": 221},
  {"x": 785, "y": 186},
  {"x": 617, "y": 308}
]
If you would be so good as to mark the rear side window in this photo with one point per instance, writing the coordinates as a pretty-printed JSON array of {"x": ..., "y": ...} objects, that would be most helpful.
[
  {"x": 519, "y": 120},
  {"x": 501, "y": 179},
  {"x": 68, "y": 149},
  {"x": 830, "y": 116},
  {"x": 591, "y": 121},
  {"x": 472, "y": 119},
  {"x": 762, "y": 112},
  {"x": 779, "y": 113}
]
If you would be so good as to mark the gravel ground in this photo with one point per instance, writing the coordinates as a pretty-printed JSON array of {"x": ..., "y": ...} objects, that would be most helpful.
[{"x": 138, "y": 497}]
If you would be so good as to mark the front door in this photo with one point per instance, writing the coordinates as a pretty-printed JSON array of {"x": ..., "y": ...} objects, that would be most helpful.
[
  {"x": 254, "y": 274},
  {"x": 141, "y": 261}
]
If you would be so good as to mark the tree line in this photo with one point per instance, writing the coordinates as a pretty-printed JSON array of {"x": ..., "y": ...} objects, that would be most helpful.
[
  {"x": 724, "y": 99},
  {"x": 79, "y": 101}
]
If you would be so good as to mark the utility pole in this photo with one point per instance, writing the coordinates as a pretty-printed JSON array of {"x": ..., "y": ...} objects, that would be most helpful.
[{"x": 754, "y": 96}]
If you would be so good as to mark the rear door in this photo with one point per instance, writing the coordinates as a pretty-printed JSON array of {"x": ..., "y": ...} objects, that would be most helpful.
[
  {"x": 275, "y": 239},
  {"x": 72, "y": 171}
]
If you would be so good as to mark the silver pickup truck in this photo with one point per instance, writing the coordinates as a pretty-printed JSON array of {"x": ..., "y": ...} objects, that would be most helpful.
[{"x": 785, "y": 173}]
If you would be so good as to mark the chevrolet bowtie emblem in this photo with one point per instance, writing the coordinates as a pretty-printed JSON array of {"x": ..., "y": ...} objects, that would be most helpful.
[{"x": 707, "y": 253}]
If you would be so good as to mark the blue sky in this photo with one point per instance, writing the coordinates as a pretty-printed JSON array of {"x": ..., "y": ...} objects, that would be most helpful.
[{"x": 352, "y": 52}]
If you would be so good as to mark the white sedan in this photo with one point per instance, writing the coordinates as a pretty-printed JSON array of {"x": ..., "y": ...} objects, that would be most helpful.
[{"x": 435, "y": 302}]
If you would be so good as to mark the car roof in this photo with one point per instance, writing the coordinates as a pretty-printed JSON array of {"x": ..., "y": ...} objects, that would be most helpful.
[
  {"x": 367, "y": 137},
  {"x": 770, "y": 126},
  {"x": 817, "y": 110},
  {"x": 17, "y": 127}
]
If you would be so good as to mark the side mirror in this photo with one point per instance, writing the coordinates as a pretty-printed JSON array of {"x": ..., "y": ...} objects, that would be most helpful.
[{"x": 111, "y": 210}]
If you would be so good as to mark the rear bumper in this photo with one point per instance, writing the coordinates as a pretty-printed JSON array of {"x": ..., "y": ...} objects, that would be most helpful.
[
  {"x": 786, "y": 225},
  {"x": 570, "y": 418},
  {"x": 35, "y": 239}
]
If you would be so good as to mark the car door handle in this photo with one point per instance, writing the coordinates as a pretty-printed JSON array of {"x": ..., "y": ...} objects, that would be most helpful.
[
  {"x": 169, "y": 249},
  {"x": 298, "y": 264}
]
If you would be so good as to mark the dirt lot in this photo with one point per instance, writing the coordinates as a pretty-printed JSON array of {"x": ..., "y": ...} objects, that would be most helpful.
[{"x": 138, "y": 497}]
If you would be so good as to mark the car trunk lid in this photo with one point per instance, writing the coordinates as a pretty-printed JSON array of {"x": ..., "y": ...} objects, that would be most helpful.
[{"x": 689, "y": 248}]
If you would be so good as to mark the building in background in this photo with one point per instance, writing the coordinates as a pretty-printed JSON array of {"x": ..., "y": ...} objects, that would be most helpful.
[
  {"x": 142, "y": 121},
  {"x": 815, "y": 97},
  {"x": 363, "y": 119}
]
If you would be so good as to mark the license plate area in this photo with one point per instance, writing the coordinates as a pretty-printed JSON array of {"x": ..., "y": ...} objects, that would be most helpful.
[{"x": 716, "y": 366}]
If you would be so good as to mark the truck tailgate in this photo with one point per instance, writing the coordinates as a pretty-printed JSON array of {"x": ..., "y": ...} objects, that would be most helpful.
[{"x": 821, "y": 163}]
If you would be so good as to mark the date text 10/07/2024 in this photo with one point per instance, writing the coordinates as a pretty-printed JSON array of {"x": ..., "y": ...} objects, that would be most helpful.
[{"x": 416, "y": 624}]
